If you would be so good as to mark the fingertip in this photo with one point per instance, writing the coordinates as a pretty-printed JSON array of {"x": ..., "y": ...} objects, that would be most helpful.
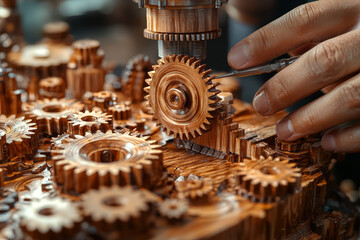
[
  {"x": 328, "y": 142},
  {"x": 239, "y": 56}
]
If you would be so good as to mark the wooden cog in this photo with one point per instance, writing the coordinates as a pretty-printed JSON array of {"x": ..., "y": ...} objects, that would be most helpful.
[{"x": 182, "y": 96}]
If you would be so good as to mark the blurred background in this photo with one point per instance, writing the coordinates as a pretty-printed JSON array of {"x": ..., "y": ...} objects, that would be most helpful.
[{"x": 117, "y": 24}]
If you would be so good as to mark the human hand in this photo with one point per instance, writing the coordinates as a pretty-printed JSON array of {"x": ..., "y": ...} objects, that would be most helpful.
[{"x": 326, "y": 33}]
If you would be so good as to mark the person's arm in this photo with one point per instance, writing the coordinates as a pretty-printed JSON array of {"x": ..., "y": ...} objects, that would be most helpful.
[{"x": 328, "y": 29}]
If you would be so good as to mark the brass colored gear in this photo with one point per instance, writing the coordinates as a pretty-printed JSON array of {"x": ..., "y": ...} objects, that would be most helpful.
[
  {"x": 21, "y": 136},
  {"x": 120, "y": 111},
  {"x": 268, "y": 180},
  {"x": 118, "y": 208},
  {"x": 59, "y": 141},
  {"x": 194, "y": 188},
  {"x": 52, "y": 87},
  {"x": 182, "y": 96},
  {"x": 134, "y": 76},
  {"x": 173, "y": 208},
  {"x": 104, "y": 100},
  {"x": 83, "y": 122},
  {"x": 51, "y": 115},
  {"x": 107, "y": 159},
  {"x": 49, "y": 218},
  {"x": 182, "y": 36}
]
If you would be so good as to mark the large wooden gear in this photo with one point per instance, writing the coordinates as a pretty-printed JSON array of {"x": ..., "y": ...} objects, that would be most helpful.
[{"x": 182, "y": 96}]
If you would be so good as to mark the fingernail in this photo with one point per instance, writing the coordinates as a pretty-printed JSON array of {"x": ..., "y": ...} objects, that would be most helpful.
[
  {"x": 284, "y": 128},
  {"x": 328, "y": 142},
  {"x": 261, "y": 103},
  {"x": 239, "y": 55}
]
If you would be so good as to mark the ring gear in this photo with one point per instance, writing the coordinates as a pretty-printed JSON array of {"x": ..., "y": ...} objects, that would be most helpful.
[
  {"x": 51, "y": 115},
  {"x": 49, "y": 218},
  {"x": 116, "y": 208},
  {"x": 21, "y": 136},
  {"x": 182, "y": 96},
  {"x": 267, "y": 180},
  {"x": 107, "y": 159},
  {"x": 83, "y": 122}
]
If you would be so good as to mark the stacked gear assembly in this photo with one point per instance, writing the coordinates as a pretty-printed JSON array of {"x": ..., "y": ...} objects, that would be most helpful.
[{"x": 182, "y": 26}]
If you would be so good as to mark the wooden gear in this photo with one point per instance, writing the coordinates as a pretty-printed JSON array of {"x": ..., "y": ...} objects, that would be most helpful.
[{"x": 182, "y": 96}]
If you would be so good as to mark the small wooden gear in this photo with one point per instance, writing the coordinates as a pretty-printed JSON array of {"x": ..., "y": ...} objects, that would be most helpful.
[
  {"x": 51, "y": 115},
  {"x": 116, "y": 208},
  {"x": 50, "y": 218},
  {"x": 52, "y": 87},
  {"x": 182, "y": 96},
  {"x": 268, "y": 180},
  {"x": 89, "y": 122},
  {"x": 85, "y": 71},
  {"x": 21, "y": 135},
  {"x": 134, "y": 78}
]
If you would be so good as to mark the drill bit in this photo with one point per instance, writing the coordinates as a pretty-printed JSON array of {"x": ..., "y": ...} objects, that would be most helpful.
[{"x": 275, "y": 66}]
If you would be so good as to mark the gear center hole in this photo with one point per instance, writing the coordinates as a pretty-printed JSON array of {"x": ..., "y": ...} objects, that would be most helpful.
[
  {"x": 88, "y": 119},
  {"x": 53, "y": 109},
  {"x": 269, "y": 170},
  {"x": 114, "y": 201},
  {"x": 46, "y": 212},
  {"x": 108, "y": 155},
  {"x": 173, "y": 207}
]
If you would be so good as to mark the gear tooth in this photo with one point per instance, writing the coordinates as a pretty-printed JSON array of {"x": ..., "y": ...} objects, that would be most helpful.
[
  {"x": 201, "y": 68},
  {"x": 196, "y": 64},
  {"x": 215, "y": 84},
  {"x": 185, "y": 59},
  {"x": 147, "y": 89},
  {"x": 193, "y": 134},
  {"x": 147, "y": 98},
  {"x": 205, "y": 74},
  {"x": 160, "y": 62},
  {"x": 206, "y": 121},
  {"x": 179, "y": 58},
  {"x": 199, "y": 131},
  {"x": 168, "y": 132},
  {"x": 202, "y": 126},
  {"x": 172, "y": 58},
  {"x": 148, "y": 81},
  {"x": 167, "y": 59},
  {"x": 155, "y": 67},
  {"x": 151, "y": 74},
  {"x": 185, "y": 135},
  {"x": 190, "y": 61}
]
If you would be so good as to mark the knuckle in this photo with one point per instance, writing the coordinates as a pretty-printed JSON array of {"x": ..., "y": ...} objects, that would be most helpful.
[
  {"x": 262, "y": 38},
  {"x": 303, "y": 16},
  {"x": 310, "y": 122},
  {"x": 351, "y": 94},
  {"x": 325, "y": 61},
  {"x": 280, "y": 88}
]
